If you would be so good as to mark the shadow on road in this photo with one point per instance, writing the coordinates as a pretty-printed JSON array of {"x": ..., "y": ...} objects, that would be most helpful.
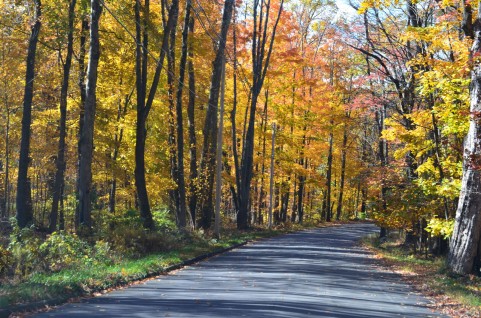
[{"x": 314, "y": 273}]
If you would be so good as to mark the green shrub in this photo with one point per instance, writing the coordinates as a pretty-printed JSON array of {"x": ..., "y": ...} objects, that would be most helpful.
[
  {"x": 163, "y": 219},
  {"x": 24, "y": 248},
  {"x": 62, "y": 250},
  {"x": 102, "y": 253},
  {"x": 6, "y": 261},
  {"x": 136, "y": 241}
]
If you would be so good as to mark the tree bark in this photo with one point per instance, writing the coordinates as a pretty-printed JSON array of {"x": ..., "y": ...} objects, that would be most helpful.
[
  {"x": 343, "y": 174},
  {"x": 172, "y": 138},
  {"x": 61, "y": 164},
  {"x": 86, "y": 147},
  {"x": 260, "y": 59},
  {"x": 192, "y": 133},
  {"x": 24, "y": 200},
  {"x": 465, "y": 241},
  {"x": 81, "y": 85},
  {"x": 329, "y": 178},
  {"x": 144, "y": 101},
  {"x": 182, "y": 209},
  {"x": 207, "y": 162}
]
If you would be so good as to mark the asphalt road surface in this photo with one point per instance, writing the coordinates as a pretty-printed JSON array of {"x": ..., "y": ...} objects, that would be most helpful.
[{"x": 313, "y": 273}]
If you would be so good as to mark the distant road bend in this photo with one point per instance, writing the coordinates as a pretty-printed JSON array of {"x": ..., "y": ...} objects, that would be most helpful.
[{"x": 313, "y": 273}]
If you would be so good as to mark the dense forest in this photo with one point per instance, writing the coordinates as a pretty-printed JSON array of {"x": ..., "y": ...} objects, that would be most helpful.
[{"x": 255, "y": 113}]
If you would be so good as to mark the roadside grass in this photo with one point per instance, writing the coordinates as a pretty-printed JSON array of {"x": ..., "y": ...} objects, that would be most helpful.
[
  {"x": 458, "y": 296},
  {"x": 98, "y": 277}
]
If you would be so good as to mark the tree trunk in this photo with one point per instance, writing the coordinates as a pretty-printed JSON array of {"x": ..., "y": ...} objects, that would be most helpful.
[
  {"x": 192, "y": 134},
  {"x": 61, "y": 164},
  {"x": 207, "y": 162},
  {"x": 81, "y": 85},
  {"x": 24, "y": 199},
  {"x": 86, "y": 147},
  {"x": 144, "y": 105},
  {"x": 6, "y": 210},
  {"x": 464, "y": 247},
  {"x": 182, "y": 209},
  {"x": 174, "y": 169},
  {"x": 329, "y": 178},
  {"x": 343, "y": 174},
  {"x": 121, "y": 111},
  {"x": 260, "y": 59}
]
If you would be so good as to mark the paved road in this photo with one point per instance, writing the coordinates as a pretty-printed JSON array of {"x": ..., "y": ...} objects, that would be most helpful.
[{"x": 314, "y": 273}]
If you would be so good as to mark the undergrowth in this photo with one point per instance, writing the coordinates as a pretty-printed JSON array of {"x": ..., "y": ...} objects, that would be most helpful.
[{"x": 62, "y": 265}]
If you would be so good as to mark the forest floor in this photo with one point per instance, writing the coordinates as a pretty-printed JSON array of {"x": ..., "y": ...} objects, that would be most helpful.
[
  {"x": 321, "y": 272},
  {"x": 453, "y": 295}
]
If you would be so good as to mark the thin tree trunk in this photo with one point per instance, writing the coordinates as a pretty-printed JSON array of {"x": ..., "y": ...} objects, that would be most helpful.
[
  {"x": 121, "y": 111},
  {"x": 192, "y": 134},
  {"x": 61, "y": 164},
  {"x": 271, "y": 186},
  {"x": 144, "y": 105},
  {"x": 233, "y": 120},
  {"x": 261, "y": 204},
  {"x": 260, "y": 58},
  {"x": 329, "y": 177},
  {"x": 207, "y": 162},
  {"x": 6, "y": 210},
  {"x": 343, "y": 174},
  {"x": 174, "y": 169},
  {"x": 81, "y": 84},
  {"x": 24, "y": 199},
  {"x": 86, "y": 147},
  {"x": 182, "y": 209},
  {"x": 218, "y": 168}
]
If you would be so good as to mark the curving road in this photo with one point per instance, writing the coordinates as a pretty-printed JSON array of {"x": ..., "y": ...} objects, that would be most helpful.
[{"x": 314, "y": 273}]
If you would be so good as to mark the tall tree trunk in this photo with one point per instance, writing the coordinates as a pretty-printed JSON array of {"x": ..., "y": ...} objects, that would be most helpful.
[
  {"x": 207, "y": 162},
  {"x": 343, "y": 174},
  {"x": 261, "y": 203},
  {"x": 465, "y": 241},
  {"x": 260, "y": 59},
  {"x": 24, "y": 199},
  {"x": 86, "y": 147},
  {"x": 329, "y": 177},
  {"x": 182, "y": 209},
  {"x": 174, "y": 169},
  {"x": 81, "y": 85},
  {"x": 6, "y": 210},
  {"x": 233, "y": 113},
  {"x": 121, "y": 111},
  {"x": 144, "y": 101},
  {"x": 192, "y": 134},
  {"x": 61, "y": 165}
]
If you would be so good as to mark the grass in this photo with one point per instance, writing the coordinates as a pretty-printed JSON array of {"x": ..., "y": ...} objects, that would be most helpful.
[
  {"x": 458, "y": 296},
  {"x": 93, "y": 278}
]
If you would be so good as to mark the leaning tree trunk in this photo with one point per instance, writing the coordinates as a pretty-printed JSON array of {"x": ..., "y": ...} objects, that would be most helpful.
[
  {"x": 87, "y": 138},
  {"x": 464, "y": 247},
  {"x": 24, "y": 199},
  {"x": 59, "y": 175}
]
